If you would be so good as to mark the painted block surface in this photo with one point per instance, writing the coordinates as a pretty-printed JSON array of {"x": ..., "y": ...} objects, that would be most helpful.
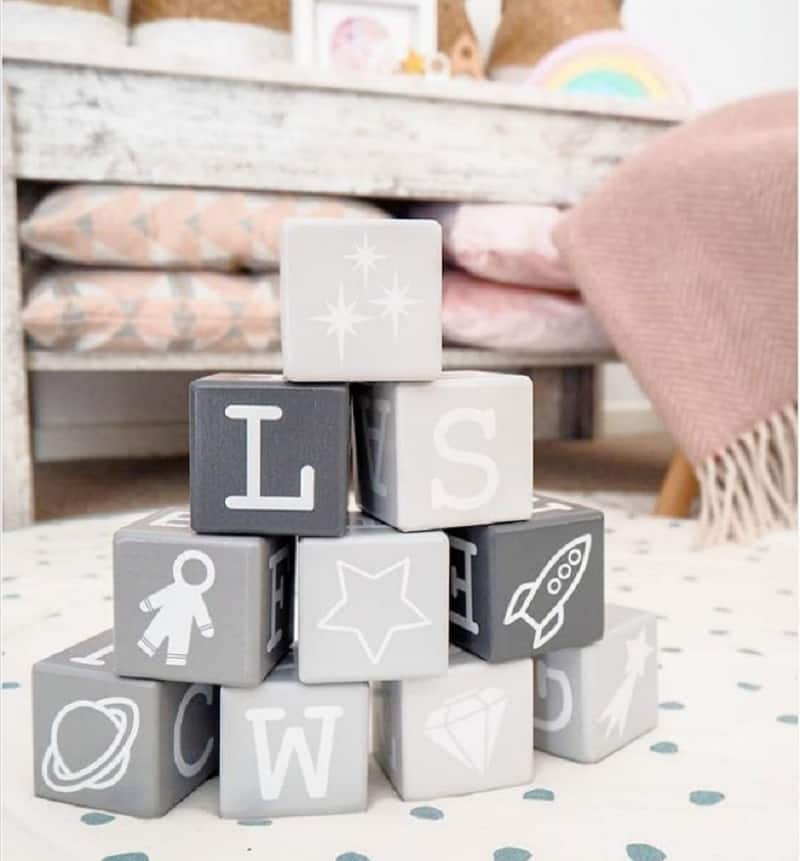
[
  {"x": 466, "y": 731},
  {"x": 125, "y": 745},
  {"x": 454, "y": 452},
  {"x": 372, "y": 604},
  {"x": 592, "y": 701},
  {"x": 268, "y": 457},
  {"x": 361, "y": 299},
  {"x": 293, "y": 749},
  {"x": 525, "y": 588},
  {"x": 200, "y": 608}
]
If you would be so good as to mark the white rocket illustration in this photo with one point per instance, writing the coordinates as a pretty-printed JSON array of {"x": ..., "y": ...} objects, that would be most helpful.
[{"x": 552, "y": 588}]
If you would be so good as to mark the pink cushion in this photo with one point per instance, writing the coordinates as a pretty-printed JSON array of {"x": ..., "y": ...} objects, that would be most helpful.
[
  {"x": 486, "y": 314},
  {"x": 503, "y": 242}
]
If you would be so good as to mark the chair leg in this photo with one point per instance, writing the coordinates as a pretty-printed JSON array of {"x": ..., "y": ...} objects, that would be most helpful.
[{"x": 678, "y": 490}]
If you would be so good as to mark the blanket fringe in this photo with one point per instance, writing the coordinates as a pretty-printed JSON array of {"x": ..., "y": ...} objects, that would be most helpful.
[{"x": 750, "y": 487}]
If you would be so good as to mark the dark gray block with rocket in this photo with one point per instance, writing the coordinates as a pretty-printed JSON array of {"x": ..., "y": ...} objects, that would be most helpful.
[
  {"x": 268, "y": 457},
  {"x": 523, "y": 588}
]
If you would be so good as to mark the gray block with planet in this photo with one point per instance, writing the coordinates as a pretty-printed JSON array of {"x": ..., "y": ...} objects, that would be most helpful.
[
  {"x": 523, "y": 588},
  {"x": 591, "y": 701},
  {"x": 126, "y": 745}
]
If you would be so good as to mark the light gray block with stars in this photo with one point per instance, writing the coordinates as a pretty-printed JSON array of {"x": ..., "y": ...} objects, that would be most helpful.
[
  {"x": 361, "y": 299},
  {"x": 589, "y": 702},
  {"x": 372, "y": 604},
  {"x": 524, "y": 588},
  {"x": 293, "y": 749},
  {"x": 454, "y": 452},
  {"x": 267, "y": 457},
  {"x": 126, "y": 745},
  {"x": 200, "y": 608},
  {"x": 466, "y": 731}
]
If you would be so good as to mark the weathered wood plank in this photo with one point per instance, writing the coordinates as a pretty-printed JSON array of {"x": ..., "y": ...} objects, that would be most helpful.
[
  {"x": 287, "y": 130},
  {"x": 17, "y": 489},
  {"x": 454, "y": 359}
]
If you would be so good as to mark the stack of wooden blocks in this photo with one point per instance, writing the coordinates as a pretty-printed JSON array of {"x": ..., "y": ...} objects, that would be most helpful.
[{"x": 202, "y": 671}]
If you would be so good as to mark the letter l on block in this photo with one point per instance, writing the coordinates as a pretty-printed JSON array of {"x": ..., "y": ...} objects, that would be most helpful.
[{"x": 253, "y": 415}]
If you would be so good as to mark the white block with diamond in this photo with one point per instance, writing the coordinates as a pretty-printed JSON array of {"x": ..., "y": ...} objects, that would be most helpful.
[
  {"x": 361, "y": 299},
  {"x": 466, "y": 731}
]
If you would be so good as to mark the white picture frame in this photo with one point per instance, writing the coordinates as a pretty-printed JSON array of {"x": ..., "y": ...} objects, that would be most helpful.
[{"x": 370, "y": 36}]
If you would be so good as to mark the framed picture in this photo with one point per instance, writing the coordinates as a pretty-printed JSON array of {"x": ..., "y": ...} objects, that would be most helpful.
[{"x": 362, "y": 35}]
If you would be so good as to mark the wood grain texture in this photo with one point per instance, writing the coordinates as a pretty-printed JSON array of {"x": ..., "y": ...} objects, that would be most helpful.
[
  {"x": 16, "y": 443},
  {"x": 131, "y": 118}
]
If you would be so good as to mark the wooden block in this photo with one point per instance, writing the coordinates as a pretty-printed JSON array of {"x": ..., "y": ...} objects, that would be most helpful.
[
  {"x": 520, "y": 589},
  {"x": 372, "y": 604},
  {"x": 466, "y": 731},
  {"x": 590, "y": 702},
  {"x": 290, "y": 749},
  {"x": 361, "y": 299},
  {"x": 132, "y": 746},
  {"x": 454, "y": 452},
  {"x": 200, "y": 608},
  {"x": 268, "y": 457}
]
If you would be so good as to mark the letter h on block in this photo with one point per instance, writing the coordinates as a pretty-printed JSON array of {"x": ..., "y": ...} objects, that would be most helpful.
[{"x": 268, "y": 457}]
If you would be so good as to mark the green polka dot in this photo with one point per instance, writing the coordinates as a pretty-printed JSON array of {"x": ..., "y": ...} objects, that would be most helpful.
[
  {"x": 511, "y": 853},
  {"x": 10, "y": 686},
  {"x": 664, "y": 747},
  {"x": 672, "y": 649},
  {"x": 792, "y": 719},
  {"x": 705, "y": 797},
  {"x": 97, "y": 818},
  {"x": 426, "y": 812},
  {"x": 539, "y": 795},
  {"x": 351, "y": 856},
  {"x": 748, "y": 686},
  {"x": 671, "y": 706},
  {"x": 128, "y": 856},
  {"x": 10, "y": 595},
  {"x": 644, "y": 852},
  {"x": 254, "y": 822},
  {"x": 746, "y": 651},
  {"x": 719, "y": 632}
]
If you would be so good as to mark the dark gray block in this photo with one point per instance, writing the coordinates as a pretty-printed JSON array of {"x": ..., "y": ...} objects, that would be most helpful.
[
  {"x": 523, "y": 588},
  {"x": 268, "y": 457},
  {"x": 200, "y": 608},
  {"x": 128, "y": 745}
]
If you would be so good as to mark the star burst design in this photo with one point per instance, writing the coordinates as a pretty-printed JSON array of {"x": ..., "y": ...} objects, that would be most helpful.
[
  {"x": 395, "y": 302},
  {"x": 341, "y": 319},
  {"x": 365, "y": 258}
]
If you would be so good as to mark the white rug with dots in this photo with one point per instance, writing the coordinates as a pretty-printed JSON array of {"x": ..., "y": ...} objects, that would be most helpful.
[{"x": 716, "y": 780}]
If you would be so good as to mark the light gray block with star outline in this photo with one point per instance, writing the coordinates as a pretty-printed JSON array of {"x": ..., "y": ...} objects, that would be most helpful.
[
  {"x": 466, "y": 731},
  {"x": 591, "y": 701},
  {"x": 361, "y": 299},
  {"x": 372, "y": 604}
]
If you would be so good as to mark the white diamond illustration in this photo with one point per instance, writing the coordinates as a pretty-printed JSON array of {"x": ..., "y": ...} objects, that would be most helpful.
[{"x": 467, "y": 726}]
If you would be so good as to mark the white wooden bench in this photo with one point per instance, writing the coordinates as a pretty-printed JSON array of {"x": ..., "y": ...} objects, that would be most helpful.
[{"x": 122, "y": 115}]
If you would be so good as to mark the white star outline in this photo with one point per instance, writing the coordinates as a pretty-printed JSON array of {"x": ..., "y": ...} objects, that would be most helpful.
[
  {"x": 395, "y": 301},
  {"x": 341, "y": 320},
  {"x": 375, "y": 657},
  {"x": 364, "y": 257}
]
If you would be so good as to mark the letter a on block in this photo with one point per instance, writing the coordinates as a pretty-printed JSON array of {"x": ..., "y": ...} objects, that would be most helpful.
[
  {"x": 487, "y": 422},
  {"x": 272, "y": 775},
  {"x": 253, "y": 415}
]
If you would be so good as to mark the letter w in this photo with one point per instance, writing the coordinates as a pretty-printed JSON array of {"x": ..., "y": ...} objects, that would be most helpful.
[{"x": 271, "y": 776}]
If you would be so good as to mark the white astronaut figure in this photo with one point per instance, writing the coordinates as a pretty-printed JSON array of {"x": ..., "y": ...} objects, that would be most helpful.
[{"x": 179, "y": 606}]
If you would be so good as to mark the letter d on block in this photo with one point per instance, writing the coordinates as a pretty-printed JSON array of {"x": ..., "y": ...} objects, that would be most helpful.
[
  {"x": 487, "y": 422},
  {"x": 253, "y": 416}
]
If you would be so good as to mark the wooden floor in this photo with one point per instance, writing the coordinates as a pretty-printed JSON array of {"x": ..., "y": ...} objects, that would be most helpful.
[{"x": 632, "y": 463}]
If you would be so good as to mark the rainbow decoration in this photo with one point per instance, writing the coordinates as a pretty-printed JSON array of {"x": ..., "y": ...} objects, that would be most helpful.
[{"x": 609, "y": 63}]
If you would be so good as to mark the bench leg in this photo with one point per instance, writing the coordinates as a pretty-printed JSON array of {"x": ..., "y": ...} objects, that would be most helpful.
[
  {"x": 678, "y": 490},
  {"x": 16, "y": 440}
]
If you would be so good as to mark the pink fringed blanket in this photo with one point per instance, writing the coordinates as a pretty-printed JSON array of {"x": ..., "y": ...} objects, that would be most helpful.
[{"x": 687, "y": 254}]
